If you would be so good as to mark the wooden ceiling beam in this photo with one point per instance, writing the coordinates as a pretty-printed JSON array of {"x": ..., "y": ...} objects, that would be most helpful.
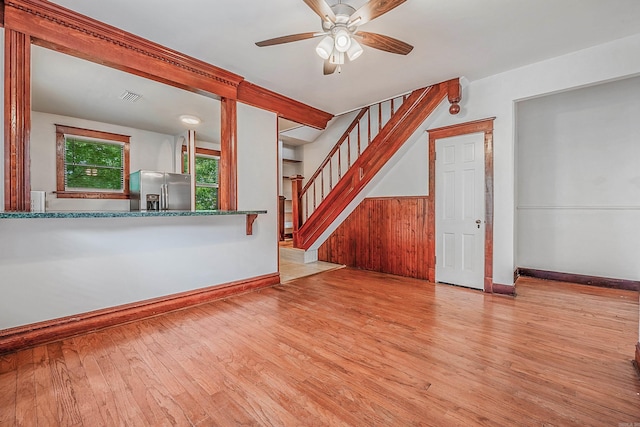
[
  {"x": 55, "y": 27},
  {"x": 286, "y": 108}
]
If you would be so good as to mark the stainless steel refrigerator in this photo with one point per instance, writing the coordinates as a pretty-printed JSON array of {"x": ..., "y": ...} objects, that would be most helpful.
[{"x": 150, "y": 190}]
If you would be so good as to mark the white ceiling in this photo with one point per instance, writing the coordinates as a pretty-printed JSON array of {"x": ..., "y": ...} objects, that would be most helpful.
[
  {"x": 471, "y": 38},
  {"x": 68, "y": 86}
]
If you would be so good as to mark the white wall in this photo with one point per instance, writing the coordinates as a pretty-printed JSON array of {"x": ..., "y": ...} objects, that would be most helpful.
[
  {"x": 2, "y": 133},
  {"x": 314, "y": 153},
  {"x": 578, "y": 181},
  {"x": 495, "y": 96},
  {"x": 258, "y": 184},
  {"x": 58, "y": 267},
  {"x": 148, "y": 150}
]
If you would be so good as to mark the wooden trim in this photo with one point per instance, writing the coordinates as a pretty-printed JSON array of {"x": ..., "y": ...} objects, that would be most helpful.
[
  {"x": 204, "y": 151},
  {"x": 287, "y": 108},
  {"x": 64, "y": 30},
  {"x": 498, "y": 288},
  {"x": 603, "y": 282},
  {"x": 485, "y": 126},
  {"x": 22, "y": 337},
  {"x": 250, "y": 220},
  {"x": 228, "y": 166},
  {"x": 61, "y": 191},
  {"x": 396, "y": 197},
  {"x": 17, "y": 119},
  {"x": 413, "y": 112},
  {"x": 476, "y": 126},
  {"x": 91, "y": 195},
  {"x": 296, "y": 207},
  {"x": 91, "y": 133}
]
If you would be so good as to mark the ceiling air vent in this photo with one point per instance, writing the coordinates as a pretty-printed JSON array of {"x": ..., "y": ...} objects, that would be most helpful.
[{"x": 130, "y": 96}]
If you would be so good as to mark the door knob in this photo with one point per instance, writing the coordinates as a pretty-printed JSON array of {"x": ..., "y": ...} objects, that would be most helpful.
[{"x": 478, "y": 222}]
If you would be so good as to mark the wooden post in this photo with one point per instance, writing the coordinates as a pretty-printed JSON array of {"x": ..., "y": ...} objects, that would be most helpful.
[
  {"x": 191, "y": 149},
  {"x": 296, "y": 206},
  {"x": 454, "y": 94},
  {"x": 17, "y": 119},
  {"x": 228, "y": 185},
  {"x": 281, "y": 200}
]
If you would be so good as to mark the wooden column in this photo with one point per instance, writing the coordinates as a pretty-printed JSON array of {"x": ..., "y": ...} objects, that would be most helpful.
[
  {"x": 281, "y": 200},
  {"x": 296, "y": 207},
  {"x": 17, "y": 119},
  {"x": 228, "y": 185}
]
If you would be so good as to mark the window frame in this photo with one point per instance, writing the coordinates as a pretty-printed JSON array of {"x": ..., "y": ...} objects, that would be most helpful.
[
  {"x": 205, "y": 152},
  {"x": 107, "y": 137}
]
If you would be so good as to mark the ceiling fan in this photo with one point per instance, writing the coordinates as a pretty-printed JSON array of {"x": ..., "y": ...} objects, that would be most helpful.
[{"x": 342, "y": 36}]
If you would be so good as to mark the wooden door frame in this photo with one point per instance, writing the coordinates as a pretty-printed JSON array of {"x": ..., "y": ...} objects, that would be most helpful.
[{"x": 485, "y": 126}]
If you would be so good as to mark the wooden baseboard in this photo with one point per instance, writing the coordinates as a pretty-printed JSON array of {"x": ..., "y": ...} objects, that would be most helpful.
[
  {"x": 504, "y": 289},
  {"x": 27, "y": 336},
  {"x": 602, "y": 282}
]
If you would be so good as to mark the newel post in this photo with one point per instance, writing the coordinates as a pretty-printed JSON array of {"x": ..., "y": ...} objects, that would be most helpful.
[{"x": 296, "y": 206}]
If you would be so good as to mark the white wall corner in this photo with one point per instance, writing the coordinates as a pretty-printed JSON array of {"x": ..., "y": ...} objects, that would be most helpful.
[{"x": 310, "y": 255}]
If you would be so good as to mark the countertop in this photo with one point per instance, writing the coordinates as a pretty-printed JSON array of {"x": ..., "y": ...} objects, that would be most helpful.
[{"x": 122, "y": 214}]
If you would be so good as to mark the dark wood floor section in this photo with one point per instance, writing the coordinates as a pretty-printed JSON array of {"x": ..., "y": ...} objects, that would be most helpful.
[{"x": 346, "y": 347}]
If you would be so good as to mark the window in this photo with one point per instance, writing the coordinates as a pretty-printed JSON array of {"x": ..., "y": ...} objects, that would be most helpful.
[
  {"x": 206, "y": 177},
  {"x": 91, "y": 164}
]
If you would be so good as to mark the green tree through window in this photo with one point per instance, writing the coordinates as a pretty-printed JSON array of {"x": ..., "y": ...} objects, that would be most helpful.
[
  {"x": 206, "y": 180},
  {"x": 93, "y": 165}
]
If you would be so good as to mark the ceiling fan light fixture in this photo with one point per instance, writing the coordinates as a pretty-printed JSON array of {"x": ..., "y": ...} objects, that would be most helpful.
[
  {"x": 354, "y": 51},
  {"x": 325, "y": 47},
  {"x": 354, "y": 22},
  {"x": 342, "y": 40},
  {"x": 337, "y": 58}
]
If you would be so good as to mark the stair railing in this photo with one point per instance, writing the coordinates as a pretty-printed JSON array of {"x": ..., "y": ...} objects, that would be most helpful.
[{"x": 353, "y": 142}]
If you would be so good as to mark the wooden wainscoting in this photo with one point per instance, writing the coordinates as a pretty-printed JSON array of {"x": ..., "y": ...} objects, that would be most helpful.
[{"x": 388, "y": 235}]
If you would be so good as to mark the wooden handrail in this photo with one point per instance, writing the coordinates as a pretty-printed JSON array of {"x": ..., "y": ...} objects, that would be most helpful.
[
  {"x": 406, "y": 120},
  {"x": 335, "y": 149},
  {"x": 344, "y": 161}
]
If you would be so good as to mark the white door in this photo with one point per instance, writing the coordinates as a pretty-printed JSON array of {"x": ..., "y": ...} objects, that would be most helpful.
[{"x": 460, "y": 210}]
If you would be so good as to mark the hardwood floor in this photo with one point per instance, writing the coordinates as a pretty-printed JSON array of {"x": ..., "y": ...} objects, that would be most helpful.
[{"x": 346, "y": 347}]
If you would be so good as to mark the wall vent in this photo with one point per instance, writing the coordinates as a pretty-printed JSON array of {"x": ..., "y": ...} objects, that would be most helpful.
[{"x": 130, "y": 96}]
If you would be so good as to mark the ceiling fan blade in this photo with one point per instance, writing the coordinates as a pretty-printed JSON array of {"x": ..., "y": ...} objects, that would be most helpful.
[
  {"x": 373, "y": 9},
  {"x": 386, "y": 43},
  {"x": 329, "y": 68},
  {"x": 288, "y": 39},
  {"x": 322, "y": 9}
]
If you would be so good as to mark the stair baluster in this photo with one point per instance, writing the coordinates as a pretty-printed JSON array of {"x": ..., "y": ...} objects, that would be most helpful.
[{"x": 403, "y": 115}]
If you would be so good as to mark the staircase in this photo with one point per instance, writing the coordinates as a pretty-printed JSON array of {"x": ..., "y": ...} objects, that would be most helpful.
[{"x": 374, "y": 136}]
